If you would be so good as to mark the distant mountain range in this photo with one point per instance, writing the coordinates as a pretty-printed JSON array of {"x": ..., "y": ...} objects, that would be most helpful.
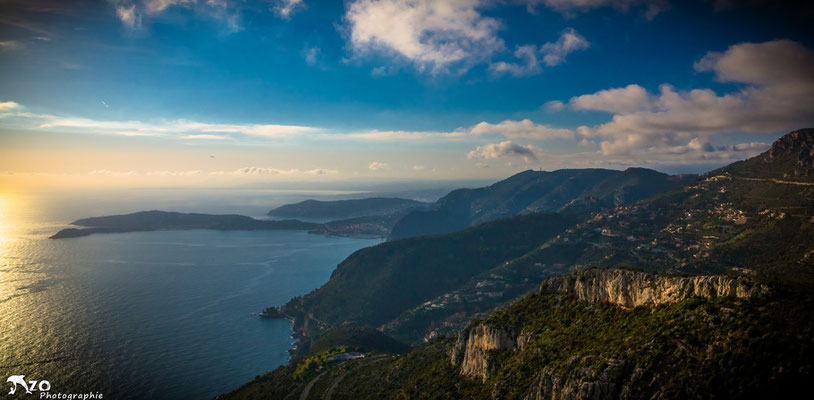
[
  {"x": 578, "y": 191},
  {"x": 565, "y": 190},
  {"x": 716, "y": 300}
]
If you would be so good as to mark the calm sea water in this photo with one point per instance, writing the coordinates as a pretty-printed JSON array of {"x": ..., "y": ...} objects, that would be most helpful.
[{"x": 149, "y": 314}]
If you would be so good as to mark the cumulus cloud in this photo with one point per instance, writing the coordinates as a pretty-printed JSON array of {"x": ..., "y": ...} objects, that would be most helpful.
[
  {"x": 504, "y": 149},
  {"x": 628, "y": 99},
  {"x": 432, "y": 34},
  {"x": 529, "y": 65},
  {"x": 377, "y": 166},
  {"x": 550, "y": 54},
  {"x": 285, "y": 8},
  {"x": 418, "y": 167},
  {"x": 554, "y": 106},
  {"x": 775, "y": 97},
  {"x": 569, "y": 42},
  {"x": 521, "y": 129}
]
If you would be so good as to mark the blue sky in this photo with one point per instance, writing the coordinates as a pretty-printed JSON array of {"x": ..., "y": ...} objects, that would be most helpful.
[{"x": 144, "y": 90}]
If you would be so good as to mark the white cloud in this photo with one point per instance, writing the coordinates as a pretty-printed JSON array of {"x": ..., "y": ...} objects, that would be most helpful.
[
  {"x": 285, "y": 8},
  {"x": 377, "y": 166},
  {"x": 521, "y": 129},
  {"x": 384, "y": 136},
  {"x": 204, "y": 137},
  {"x": 8, "y": 106},
  {"x": 775, "y": 98},
  {"x": 10, "y": 45},
  {"x": 130, "y": 12},
  {"x": 570, "y": 41},
  {"x": 107, "y": 172},
  {"x": 182, "y": 128},
  {"x": 568, "y": 7},
  {"x": 418, "y": 167},
  {"x": 628, "y": 99},
  {"x": 554, "y": 106},
  {"x": 259, "y": 171},
  {"x": 432, "y": 34},
  {"x": 529, "y": 66},
  {"x": 504, "y": 149},
  {"x": 129, "y": 16},
  {"x": 156, "y": 6},
  {"x": 311, "y": 55},
  {"x": 552, "y": 53}
]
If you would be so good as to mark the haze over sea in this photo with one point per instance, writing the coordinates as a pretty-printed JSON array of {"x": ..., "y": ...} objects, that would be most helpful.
[{"x": 151, "y": 314}]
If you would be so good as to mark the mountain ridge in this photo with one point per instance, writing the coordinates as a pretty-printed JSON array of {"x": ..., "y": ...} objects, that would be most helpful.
[{"x": 566, "y": 190}]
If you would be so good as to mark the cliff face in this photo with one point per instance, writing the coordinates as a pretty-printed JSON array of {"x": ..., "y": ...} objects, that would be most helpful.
[
  {"x": 799, "y": 146},
  {"x": 633, "y": 288},
  {"x": 477, "y": 345},
  {"x": 607, "y": 383},
  {"x": 472, "y": 350}
]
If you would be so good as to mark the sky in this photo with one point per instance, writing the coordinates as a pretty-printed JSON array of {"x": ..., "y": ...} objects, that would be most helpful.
[{"x": 234, "y": 92}]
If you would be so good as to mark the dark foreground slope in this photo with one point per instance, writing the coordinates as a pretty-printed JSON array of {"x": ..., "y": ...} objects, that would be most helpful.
[
  {"x": 374, "y": 285},
  {"x": 569, "y": 190},
  {"x": 716, "y": 337}
]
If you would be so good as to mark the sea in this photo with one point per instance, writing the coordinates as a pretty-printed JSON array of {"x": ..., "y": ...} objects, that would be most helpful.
[{"x": 151, "y": 315}]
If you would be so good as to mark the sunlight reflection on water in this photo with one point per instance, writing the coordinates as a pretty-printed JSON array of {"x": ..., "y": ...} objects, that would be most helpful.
[{"x": 148, "y": 314}]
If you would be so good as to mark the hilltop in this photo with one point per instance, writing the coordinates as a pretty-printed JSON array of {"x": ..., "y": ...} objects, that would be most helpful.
[{"x": 575, "y": 191}]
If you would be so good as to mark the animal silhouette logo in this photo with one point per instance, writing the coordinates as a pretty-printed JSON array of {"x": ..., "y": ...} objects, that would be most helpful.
[{"x": 19, "y": 380}]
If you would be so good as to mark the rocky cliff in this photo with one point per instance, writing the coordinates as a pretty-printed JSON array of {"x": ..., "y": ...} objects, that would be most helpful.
[
  {"x": 607, "y": 382},
  {"x": 799, "y": 146},
  {"x": 477, "y": 346},
  {"x": 474, "y": 345},
  {"x": 634, "y": 288}
]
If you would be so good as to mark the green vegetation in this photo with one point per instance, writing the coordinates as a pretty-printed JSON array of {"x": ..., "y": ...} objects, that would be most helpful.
[
  {"x": 363, "y": 339},
  {"x": 375, "y": 284},
  {"x": 722, "y": 348},
  {"x": 709, "y": 348}
]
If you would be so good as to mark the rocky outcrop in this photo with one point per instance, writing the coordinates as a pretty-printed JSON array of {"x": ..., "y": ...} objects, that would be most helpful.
[
  {"x": 586, "y": 383},
  {"x": 634, "y": 288},
  {"x": 798, "y": 145},
  {"x": 478, "y": 345},
  {"x": 475, "y": 347}
]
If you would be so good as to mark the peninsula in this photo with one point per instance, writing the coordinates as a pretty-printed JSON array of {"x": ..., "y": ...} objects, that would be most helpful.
[{"x": 164, "y": 221}]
